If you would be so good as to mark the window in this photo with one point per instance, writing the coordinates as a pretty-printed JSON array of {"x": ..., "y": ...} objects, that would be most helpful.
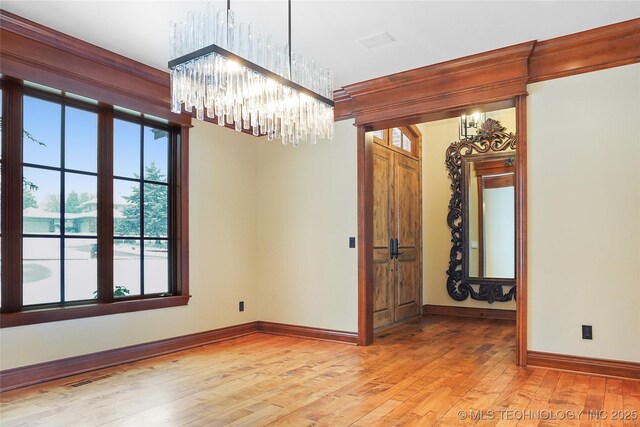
[
  {"x": 141, "y": 264},
  {"x": 97, "y": 229},
  {"x": 59, "y": 182},
  {"x": 379, "y": 135},
  {"x": 396, "y": 140},
  {"x": 404, "y": 139}
]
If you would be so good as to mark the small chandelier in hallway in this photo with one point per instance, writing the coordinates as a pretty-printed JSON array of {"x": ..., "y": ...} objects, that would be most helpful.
[{"x": 469, "y": 122}]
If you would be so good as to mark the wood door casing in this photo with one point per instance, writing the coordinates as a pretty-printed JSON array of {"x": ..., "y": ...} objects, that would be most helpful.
[
  {"x": 383, "y": 212},
  {"x": 396, "y": 214}
]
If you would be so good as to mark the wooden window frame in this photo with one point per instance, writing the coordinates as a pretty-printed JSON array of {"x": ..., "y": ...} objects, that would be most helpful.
[
  {"x": 13, "y": 313},
  {"x": 32, "y": 52},
  {"x": 411, "y": 131}
]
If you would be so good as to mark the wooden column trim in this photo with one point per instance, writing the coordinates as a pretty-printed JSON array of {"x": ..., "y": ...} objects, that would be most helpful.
[
  {"x": 12, "y": 187},
  {"x": 182, "y": 234},
  {"x": 365, "y": 237},
  {"x": 105, "y": 205},
  {"x": 521, "y": 231}
]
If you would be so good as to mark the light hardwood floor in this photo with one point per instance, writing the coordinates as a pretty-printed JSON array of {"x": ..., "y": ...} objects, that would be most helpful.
[{"x": 426, "y": 372}]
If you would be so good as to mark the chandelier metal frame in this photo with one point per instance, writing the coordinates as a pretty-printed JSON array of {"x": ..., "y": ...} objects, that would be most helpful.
[{"x": 275, "y": 120}]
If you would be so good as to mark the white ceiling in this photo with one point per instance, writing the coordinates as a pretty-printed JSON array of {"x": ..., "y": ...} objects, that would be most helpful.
[{"x": 426, "y": 32}]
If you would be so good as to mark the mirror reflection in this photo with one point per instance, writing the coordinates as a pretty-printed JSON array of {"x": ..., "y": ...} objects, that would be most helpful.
[{"x": 490, "y": 212}]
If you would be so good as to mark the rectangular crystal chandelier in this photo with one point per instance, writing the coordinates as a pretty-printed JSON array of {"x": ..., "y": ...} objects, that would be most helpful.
[{"x": 228, "y": 73}]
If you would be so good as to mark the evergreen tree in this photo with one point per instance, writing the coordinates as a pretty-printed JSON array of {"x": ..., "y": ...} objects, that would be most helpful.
[
  {"x": 155, "y": 207},
  {"x": 74, "y": 200}
]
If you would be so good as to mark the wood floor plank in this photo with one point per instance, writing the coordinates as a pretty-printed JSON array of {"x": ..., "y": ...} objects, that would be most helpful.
[
  {"x": 613, "y": 401},
  {"x": 631, "y": 403},
  {"x": 438, "y": 370}
]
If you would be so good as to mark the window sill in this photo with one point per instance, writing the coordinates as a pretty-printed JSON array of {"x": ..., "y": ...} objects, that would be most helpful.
[{"x": 31, "y": 317}]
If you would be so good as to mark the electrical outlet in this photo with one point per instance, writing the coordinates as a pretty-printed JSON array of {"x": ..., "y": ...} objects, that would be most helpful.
[
  {"x": 241, "y": 306},
  {"x": 587, "y": 332},
  {"x": 352, "y": 242}
]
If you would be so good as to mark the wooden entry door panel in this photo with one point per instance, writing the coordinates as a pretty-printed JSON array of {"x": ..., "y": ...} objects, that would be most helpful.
[
  {"x": 396, "y": 215},
  {"x": 407, "y": 201},
  {"x": 408, "y": 278},
  {"x": 383, "y": 290},
  {"x": 408, "y": 232},
  {"x": 383, "y": 212}
]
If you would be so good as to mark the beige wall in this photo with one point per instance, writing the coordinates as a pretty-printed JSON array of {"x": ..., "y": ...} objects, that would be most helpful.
[
  {"x": 307, "y": 200},
  {"x": 584, "y": 214},
  {"x": 436, "y": 192},
  {"x": 269, "y": 225},
  {"x": 222, "y": 249}
]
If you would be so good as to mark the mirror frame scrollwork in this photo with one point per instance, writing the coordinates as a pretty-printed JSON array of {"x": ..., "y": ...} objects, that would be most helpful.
[{"x": 492, "y": 137}]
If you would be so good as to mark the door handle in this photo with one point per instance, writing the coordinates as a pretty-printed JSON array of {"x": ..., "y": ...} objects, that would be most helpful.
[
  {"x": 396, "y": 251},
  {"x": 391, "y": 250}
]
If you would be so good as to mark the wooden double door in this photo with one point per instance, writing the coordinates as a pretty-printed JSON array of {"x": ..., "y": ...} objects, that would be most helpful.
[{"x": 397, "y": 232}]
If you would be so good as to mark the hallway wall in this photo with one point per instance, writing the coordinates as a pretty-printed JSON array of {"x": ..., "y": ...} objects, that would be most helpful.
[{"x": 436, "y": 193}]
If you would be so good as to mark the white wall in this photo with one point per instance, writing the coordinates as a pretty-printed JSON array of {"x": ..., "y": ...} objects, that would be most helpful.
[
  {"x": 222, "y": 247},
  {"x": 584, "y": 214},
  {"x": 307, "y": 200},
  {"x": 436, "y": 193}
]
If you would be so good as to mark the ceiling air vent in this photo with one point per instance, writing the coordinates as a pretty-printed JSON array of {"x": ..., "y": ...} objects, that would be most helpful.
[{"x": 377, "y": 40}]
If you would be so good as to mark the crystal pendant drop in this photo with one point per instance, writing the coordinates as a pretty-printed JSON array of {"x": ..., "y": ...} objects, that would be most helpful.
[{"x": 243, "y": 94}]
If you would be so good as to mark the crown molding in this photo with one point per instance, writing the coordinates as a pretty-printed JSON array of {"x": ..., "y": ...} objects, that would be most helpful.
[
  {"x": 32, "y": 52},
  {"x": 486, "y": 77},
  {"x": 597, "y": 49}
]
